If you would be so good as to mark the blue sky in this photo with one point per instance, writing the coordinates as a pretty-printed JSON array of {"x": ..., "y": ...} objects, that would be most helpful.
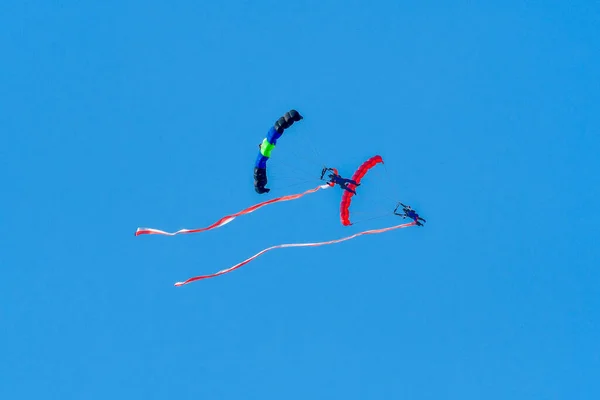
[{"x": 120, "y": 114}]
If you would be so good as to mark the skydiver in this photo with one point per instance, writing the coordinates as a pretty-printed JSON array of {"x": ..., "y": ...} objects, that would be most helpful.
[
  {"x": 335, "y": 178},
  {"x": 343, "y": 182},
  {"x": 409, "y": 212}
]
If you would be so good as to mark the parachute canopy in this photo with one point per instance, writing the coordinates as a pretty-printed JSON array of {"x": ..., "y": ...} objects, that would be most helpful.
[
  {"x": 347, "y": 196},
  {"x": 267, "y": 146}
]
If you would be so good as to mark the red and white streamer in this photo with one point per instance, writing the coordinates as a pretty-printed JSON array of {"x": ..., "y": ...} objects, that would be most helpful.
[
  {"x": 228, "y": 218},
  {"x": 281, "y": 246}
]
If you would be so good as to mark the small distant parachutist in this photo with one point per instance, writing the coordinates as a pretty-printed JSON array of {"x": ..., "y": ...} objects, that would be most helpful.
[{"x": 408, "y": 212}]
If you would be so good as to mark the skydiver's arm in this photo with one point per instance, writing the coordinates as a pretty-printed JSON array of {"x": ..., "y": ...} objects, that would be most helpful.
[{"x": 422, "y": 219}]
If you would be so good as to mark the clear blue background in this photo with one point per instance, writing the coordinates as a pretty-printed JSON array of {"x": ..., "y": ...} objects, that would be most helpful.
[{"x": 119, "y": 114}]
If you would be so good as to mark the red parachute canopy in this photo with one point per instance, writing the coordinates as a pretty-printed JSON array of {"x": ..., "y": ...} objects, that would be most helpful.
[{"x": 347, "y": 196}]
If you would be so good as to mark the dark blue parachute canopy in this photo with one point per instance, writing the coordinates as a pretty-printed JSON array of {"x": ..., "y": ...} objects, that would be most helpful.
[{"x": 267, "y": 146}]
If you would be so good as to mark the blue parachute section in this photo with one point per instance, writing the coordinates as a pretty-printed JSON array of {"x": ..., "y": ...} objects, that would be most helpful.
[{"x": 272, "y": 136}]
